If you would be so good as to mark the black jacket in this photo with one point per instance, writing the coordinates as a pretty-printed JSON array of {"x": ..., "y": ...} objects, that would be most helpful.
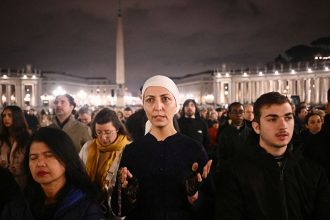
[
  {"x": 195, "y": 128},
  {"x": 255, "y": 187},
  {"x": 160, "y": 168},
  {"x": 12, "y": 203},
  {"x": 232, "y": 141},
  {"x": 317, "y": 148}
]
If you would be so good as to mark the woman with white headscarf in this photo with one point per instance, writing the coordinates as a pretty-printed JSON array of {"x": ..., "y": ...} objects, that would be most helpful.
[{"x": 164, "y": 174}]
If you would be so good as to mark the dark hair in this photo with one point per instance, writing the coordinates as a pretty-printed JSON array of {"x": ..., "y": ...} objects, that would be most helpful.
[
  {"x": 107, "y": 115},
  {"x": 214, "y": 122},
  {"x": 128, "y": 109},
  {"x": 70, "y": 99},
  {"x": 310, "y": 115},
  {"x": 268, "y": 99},
  {"x": 19, "y": 128},
  {"x": 299, "y": 108},
  {"x": 63, "y": 148},
  {"x": 234, "y": 104},
  {"x": 195, "y": 104}
]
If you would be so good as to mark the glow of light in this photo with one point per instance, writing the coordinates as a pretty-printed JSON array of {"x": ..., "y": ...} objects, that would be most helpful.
[
  {"x": 82, "y": 97},
  {"x": 97, "y": 100},
  {"x": 227, "y": 74},
  {"x": 82, "y": 94},
  {"x": 59, "y": 91},
  {"x": 34, "y": 76},
  {"x": 189, "y": 96},
  {"x": 12, "y": 98},
  {"x": 293, "y": 72},
  {"x": 24, "y": 77},
  {"x": 3, "y": 98},
  {"x": 218, "y": 74},
  {"x": 276, "y": 72},
  {"x": 209, "y": 98},
  {"x": 5, "y": 76},
  {"x": 27, "y": 97},
  {"x": 245, "y": 74},
  {"x": 260, "y": 73},
  {"x": 46, "y": 97},
  {"x": 326, "y": 68},
  {"x": 309, "y": 70},
  {"x": 316, "y": 58}
]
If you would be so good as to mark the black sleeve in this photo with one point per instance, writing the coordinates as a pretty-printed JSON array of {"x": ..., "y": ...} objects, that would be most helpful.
[
  {"x": 206, "y": 138},
  {"x": 126, "y": 205},
  {"x": 229, "y": 201}
]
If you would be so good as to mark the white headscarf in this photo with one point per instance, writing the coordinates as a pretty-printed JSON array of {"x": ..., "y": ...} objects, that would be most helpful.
[{"x": 165, "y": 82}]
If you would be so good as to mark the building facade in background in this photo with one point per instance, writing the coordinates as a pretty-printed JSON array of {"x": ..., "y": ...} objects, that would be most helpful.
[
  {"x": 35, "y": 88},
  {"x": 221, "y": 88}
]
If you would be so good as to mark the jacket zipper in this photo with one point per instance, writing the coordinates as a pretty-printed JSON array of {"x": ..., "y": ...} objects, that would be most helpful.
[{"x": 283, "y": 193}]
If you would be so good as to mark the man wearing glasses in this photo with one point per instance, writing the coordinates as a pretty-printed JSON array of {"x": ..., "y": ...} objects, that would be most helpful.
[{"x": 231, "y": 138}]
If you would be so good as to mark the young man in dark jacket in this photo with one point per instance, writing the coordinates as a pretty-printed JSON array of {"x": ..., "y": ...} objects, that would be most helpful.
[
  {"x": 272, "y": 181},
  {"x": 192, "y": 125}
]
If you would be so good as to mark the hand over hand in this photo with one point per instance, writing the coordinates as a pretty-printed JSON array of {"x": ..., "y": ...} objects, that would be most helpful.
[
  {"x": 194, "y": 181},
  {"x": 129, "y": 183}
]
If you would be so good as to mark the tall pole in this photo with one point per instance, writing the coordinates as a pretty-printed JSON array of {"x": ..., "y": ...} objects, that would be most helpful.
[{"x": 120, "y": 64}]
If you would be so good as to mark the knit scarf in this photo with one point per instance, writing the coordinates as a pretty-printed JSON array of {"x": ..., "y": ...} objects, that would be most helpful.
[{"x": 96, "y": 166}]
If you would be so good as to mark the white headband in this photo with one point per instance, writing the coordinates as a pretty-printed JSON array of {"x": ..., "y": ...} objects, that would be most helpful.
[{"x": 167, "y": 83}]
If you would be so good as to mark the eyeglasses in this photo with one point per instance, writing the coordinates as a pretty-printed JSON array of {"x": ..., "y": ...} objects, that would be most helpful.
[{"x": 105, "y": 133}]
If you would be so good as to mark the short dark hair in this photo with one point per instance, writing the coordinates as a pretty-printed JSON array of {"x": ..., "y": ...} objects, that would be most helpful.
[
  {"x": 268, "y": 99},
  {"x": 299, "y": 108},
  {"x": 63, "y": 148},
  {"x": 234, "y": 104},
  {"x": 128, "y": 109},
  {"x": 107, "y": 115},
  {"x": 219, "y": 109},
  {"x": 310, "y": 115}
]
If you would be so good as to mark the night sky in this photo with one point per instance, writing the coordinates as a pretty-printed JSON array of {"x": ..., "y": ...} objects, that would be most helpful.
[{"x": 170, "y": 37}]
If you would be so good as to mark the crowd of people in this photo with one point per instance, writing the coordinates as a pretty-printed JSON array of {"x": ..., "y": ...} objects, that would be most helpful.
[{"x": 266, "y": 160}]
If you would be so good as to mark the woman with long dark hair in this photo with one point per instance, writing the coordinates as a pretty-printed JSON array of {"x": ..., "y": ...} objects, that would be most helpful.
[
  {"x": 14, "y": 137},
  {"x": 58, "y": 186}
]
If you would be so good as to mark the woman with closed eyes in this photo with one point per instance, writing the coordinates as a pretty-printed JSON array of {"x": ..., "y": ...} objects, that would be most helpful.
[{"x": 58, "y": 186}]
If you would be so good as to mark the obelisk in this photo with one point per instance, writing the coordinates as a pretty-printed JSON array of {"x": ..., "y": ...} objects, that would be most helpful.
[{"x": 120, "y": 64}]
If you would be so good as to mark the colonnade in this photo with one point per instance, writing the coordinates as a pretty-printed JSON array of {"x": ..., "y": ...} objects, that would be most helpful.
[
  {"x": 309, "y": 86},
  {"x": 309, "y": 89}
]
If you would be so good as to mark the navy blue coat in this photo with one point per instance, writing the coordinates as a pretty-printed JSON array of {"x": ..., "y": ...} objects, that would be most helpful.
[{"x": 74, "y": 204}]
